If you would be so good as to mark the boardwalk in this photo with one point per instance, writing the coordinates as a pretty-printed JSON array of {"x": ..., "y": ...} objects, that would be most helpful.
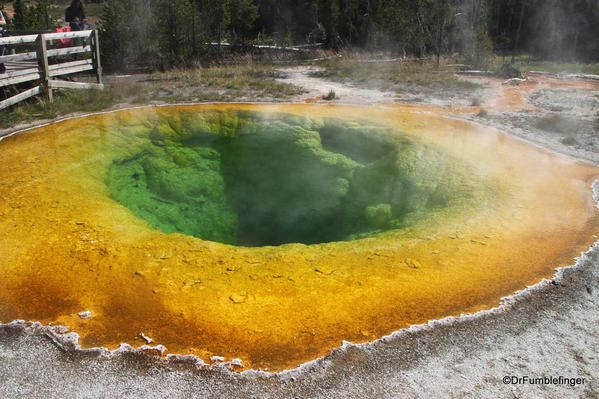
[{"x": 43, "y": 67}]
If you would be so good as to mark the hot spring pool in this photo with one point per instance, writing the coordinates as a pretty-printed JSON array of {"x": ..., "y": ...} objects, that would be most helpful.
[
  {"x": 272, "y": 233},
  {"x": 243, "y": 178}
]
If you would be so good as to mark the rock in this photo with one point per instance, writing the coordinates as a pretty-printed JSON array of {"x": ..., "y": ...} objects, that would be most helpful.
[
  {"x": 85, "y": 315},
  {"x": 146, "y": 338},
  {"x": 238, "y": 298},
  {"x": 379, "y": 253},
  {"x": 478, "y": 242},
  {"x": 513, "y": 82},
  {"x": 327, "y": 271},
  {"x": 412, "y": 263}
]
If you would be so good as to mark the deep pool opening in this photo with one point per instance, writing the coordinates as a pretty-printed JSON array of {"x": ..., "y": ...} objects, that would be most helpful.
[{"x": 254, "y": 181}]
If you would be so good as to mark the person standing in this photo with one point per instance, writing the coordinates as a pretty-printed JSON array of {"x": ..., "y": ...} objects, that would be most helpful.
[{"x": 75, "y": 15}]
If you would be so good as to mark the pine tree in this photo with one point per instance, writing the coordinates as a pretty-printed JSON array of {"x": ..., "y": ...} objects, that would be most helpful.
[
  {"x": 113, "y": 36},
  {"x": 331, "y": 15},
  {"x": 243, "y": 15},
  {"x": 39, "y": 16},
  {"x": 33, "y": 17},
  {"x": 21, "y": 15}
]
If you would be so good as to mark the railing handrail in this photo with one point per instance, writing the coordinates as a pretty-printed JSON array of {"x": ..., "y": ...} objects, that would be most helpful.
[
  {"x": 18, "y": 39},
  {"x": 47, "y": 36},
  {"x": 68, "y": 35}
]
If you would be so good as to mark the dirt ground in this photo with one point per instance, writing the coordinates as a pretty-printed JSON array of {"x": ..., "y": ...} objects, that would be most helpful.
[{"x": 551, "y": 330}]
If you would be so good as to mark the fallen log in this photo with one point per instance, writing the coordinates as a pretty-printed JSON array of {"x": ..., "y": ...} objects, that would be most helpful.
[
  {"x": 566, "y": 75},
  {"x": 513, "y": 82},
  {"x": 337, "y": 56},
  {"x": 293, "y": 49},
  {"x": 577, "y": 76},
  {"x": 476, "y": 73}
]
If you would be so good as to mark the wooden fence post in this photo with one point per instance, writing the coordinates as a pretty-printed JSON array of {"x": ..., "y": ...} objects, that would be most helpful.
[
  {"x": 96, "y": 55},
  {"x": 42, "y": 55}
]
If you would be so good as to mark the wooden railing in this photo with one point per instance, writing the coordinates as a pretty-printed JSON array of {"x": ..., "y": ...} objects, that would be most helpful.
[{"x": 46, "y": 72}]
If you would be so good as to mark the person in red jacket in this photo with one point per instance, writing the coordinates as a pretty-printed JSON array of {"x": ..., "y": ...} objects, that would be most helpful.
[{"x": 75, "y": 15}]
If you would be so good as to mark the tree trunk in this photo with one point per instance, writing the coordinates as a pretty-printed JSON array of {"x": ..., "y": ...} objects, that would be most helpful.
[
  {"x": 440, "y": 29},
  {"x": 519, "y": 30},
  {"x": 194, "y": 48}
]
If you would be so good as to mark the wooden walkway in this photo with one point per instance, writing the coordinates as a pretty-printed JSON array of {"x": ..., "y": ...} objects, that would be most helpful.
[{"x": 35, "y": 66}]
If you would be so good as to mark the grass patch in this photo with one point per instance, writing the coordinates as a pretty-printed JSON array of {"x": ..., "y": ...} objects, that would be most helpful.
[
  {"x": 65, "y": 102},
  {"x": 215, "y": 84},
  {"x": 412, "y": 77},
  {"x": 528, "y": 63},
  {"x": 559, "y": 67},
  {"x": 255, "y": 81}
]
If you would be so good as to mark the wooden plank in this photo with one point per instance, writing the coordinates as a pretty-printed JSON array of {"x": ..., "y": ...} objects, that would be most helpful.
[
  {"x": 68, "y": 35},
  {"x": 18, "y": 39},
  {"x": 28, "y": 32},
  {"x": 17, "y": 57},
  {"x": 19, "y": 79},
  {"x": 20, "y": 97},
  {"x": 42, "y": 53},
  {"x": 70, "y": 64},
  {"x": 69, "y": 50},
  {"x": 63, "y": 84},
  {"x": 49, "y": 36},
  {"x": 73, "y": 69},
  {"x": 96, "y": 56},
  {"x": 21, "y": 72},
  {"x": 20, "y": 65}
]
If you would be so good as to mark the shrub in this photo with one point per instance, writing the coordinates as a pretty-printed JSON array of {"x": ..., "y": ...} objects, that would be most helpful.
[{"x": 331, "y": 96}]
